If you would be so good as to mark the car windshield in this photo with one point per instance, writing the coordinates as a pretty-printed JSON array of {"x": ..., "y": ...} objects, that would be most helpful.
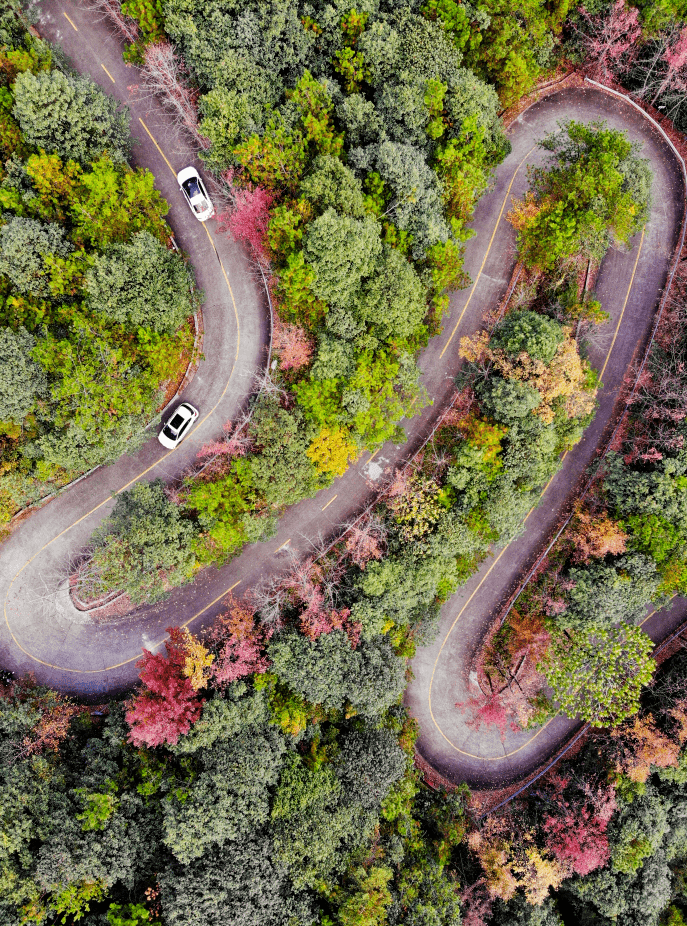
[
  {"x": 176, "y": 422},
  {"x": 193, "y": 188}
]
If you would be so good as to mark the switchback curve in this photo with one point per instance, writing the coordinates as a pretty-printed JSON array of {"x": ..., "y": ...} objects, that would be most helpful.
[{"x": 40, "y": 631}]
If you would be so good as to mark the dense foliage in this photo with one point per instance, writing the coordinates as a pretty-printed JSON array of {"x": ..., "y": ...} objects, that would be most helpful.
[
  {"x": 354, "y": 144},
  {"x": 93, "y": 305},
  {"x": 596, "y": 190},
  {"x": 203, "y": 803},
  {"x": 264, "y": 773},
  {"x": 599, "y": 840},
  {"x": 624, "y": 548}
]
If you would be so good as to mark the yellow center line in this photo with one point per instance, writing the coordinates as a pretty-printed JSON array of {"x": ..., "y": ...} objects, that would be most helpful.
[
  {"x": 329, "y": 502},
  {"x": 491, "y": 241},
  {"x": 372, "y": 457},
  {"x": 226, "y": 279},
  {"x": 627, "y": 296},
  {"x": 283, "y": 545},
  {"x": 150, "y": 135},
  {"x": 107, "y": 72},
  {"x": 69, "y": 21},
  {"x": 230, "y": 589}
]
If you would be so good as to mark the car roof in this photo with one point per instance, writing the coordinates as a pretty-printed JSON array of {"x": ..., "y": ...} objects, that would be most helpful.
[{"x": 187, "y": 173}]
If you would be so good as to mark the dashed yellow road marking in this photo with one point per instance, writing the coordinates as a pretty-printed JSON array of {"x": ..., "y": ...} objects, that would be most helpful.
[
  {"x": 491, "y": 241},
  {"x": 226, "y": 591},
  {"x": 108, "y": 73},
  {"x": 69, "y": 21},
  {"x": 150, "y": 135}
]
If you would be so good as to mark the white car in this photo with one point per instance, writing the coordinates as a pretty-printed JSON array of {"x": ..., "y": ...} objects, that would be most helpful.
[
  {"x": 178, "y": 426},
  {"x": 195, "y": 193}
]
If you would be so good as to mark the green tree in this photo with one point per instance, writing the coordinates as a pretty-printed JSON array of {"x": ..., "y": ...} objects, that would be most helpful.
[
  {"x": 313, "y": 828},
  {"x": 595, "y": 188},
  {"x": 70, "y": 116},
  {"x": 341, "y": 251},
  {"x": 22, "y": 380},
  {"x": 605, "y": 595},
  {"x": 393, "y": 301},
  {"x": 144, "y": 548},
  {"x": 141, "y": 283},
  {"x": 114, "y": 202},
  {"x": 328, "y": 671},
  {"x": 229, "y": 797},
  {"x": 369, "y": 763},
  {"x": 418, "y": 206},
  {"x": 26, "y": 245},
  {"x": 538, "y": 335},
  {"x": 332, "y": 185},
  {"x": 103, "y": 389},
  {"x": 242, "y": 884},
  {"x": 130, "y": 915},
  {"x": 367, "y": 901},
  {"x": 598, "y": 675},
  {"x": 225, "y": 505},
  {"x": 505, "y": 399},
  {"x": 281, "y": 471}
]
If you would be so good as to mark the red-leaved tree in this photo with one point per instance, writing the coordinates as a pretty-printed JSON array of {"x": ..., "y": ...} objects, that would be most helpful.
[
  {"x": 578, "y": 839},
  {"x": 167, "y": 704}
]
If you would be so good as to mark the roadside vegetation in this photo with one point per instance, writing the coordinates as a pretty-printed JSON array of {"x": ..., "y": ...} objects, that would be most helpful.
[
  {"x": 263, "y": 773},
  {"x": 94, "y": 305},
  {"x": 352, "y": 146},
  {"x": 361, "y": 232},
  {"x": 624, "y": 549}
]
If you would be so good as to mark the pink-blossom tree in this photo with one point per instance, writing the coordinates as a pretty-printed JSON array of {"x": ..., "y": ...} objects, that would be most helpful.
[
  {"x": 294, "y": 346},
  {"x": 236, "y": 442},
  {"x": 365, "y": 540},
  {"x": 579, "y": 839},
  {"x": 488, "y": 710},
  {"x": 123, "y": 25},
  {"x": 662, "y": 69},
  {"x": 609, "y": 40},
  {"x": 241, "y": 642}
]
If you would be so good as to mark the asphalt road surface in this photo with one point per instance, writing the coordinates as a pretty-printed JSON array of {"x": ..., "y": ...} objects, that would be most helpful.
[{"x": 43, "y": 633}]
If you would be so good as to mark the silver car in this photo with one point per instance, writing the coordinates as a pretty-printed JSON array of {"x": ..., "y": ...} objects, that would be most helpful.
[{"x": 178, "y": 426}]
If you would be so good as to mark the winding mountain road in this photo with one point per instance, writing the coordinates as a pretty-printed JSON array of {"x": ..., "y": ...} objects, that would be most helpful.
[{"x": 42, "y": 632}]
